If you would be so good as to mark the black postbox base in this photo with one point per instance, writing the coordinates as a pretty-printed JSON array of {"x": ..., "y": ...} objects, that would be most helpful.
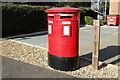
[{"x": 63, "y": 63}]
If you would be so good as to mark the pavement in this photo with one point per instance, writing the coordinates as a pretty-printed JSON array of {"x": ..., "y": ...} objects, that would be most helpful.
[
  {"x": 86, "y": 33},
  {"x": 108, "y": 38}
]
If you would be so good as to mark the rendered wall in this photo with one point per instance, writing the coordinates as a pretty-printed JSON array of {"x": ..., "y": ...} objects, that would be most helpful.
[{"x": 114, "y": 7}]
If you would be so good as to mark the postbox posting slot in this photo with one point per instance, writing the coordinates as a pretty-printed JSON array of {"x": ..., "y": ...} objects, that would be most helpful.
[{"x": 66, "y": 16}]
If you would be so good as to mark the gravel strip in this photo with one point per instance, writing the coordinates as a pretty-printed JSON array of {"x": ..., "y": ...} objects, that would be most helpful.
[{"x": 38, "y": 56}]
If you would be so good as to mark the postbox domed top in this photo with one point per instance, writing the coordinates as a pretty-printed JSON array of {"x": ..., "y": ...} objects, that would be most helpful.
[{"x": 63, "y": 9}]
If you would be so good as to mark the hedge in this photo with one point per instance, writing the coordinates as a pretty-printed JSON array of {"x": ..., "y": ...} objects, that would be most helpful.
[
  {"x": 89, "y": 21},
  {"x": 22, "y": 19},
  {"x": 73, "y": 4}
]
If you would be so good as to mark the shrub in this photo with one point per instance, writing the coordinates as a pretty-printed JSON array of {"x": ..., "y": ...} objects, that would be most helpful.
[
  {"x": 103, "y": 22},
  {"x": 86, "y": 12},
  {"x": 21, "y": 19},
  {"x": 89, "y": 20}
]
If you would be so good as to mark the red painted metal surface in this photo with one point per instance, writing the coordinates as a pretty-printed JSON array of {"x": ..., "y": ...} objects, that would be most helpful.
[
  {"x": 64, "y": 9},
  {"x": 119, "y": 20},
  {"x": 63, "y": 31}
]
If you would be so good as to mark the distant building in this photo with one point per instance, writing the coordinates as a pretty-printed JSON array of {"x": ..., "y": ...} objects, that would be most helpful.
[
  {"x": 114, "y": 13},
  {"x": 114, "y": 7}
]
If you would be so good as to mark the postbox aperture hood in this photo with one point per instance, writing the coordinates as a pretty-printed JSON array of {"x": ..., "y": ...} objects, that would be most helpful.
[{"x": 64, "y": 9}]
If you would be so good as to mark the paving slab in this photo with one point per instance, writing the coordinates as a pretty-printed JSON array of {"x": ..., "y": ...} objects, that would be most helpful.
[{"x": 85, "y": 32}]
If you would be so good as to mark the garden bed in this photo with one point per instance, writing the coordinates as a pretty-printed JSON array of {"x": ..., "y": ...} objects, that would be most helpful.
[{"x": 38, "y": 56}]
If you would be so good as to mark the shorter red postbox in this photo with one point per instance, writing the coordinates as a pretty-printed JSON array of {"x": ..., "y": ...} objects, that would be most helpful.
[
  {"x": 113, "y": 20},
  {"x": 63, "y": 38}
]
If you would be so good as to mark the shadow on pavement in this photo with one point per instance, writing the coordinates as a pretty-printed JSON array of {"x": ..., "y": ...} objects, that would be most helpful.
[
  {"x": 83, "y": 62},
  {"x": 106, "y": 54},
  {"x": 116, "y": 61}
]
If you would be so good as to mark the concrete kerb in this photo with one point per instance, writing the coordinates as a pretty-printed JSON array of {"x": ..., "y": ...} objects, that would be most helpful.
[
  {"x": 45, "y": 32},
  {"x": 105, "y": 26},
  {"x": 47, "y": 50},
  {"x": 26, "y": 35},
  {"x": 27, "y": 44}
]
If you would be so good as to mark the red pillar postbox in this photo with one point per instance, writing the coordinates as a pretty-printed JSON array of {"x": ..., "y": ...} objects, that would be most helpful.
[
  {"x": 63, "y": 38},
  {"x": 113, "y": 20}
]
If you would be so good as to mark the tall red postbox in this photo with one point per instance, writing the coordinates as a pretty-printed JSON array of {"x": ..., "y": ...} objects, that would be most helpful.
[{"x": 63, "y": 38}]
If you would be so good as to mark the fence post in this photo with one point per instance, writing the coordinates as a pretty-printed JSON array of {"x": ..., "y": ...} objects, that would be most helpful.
[{"x": 96, "y": 44}]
